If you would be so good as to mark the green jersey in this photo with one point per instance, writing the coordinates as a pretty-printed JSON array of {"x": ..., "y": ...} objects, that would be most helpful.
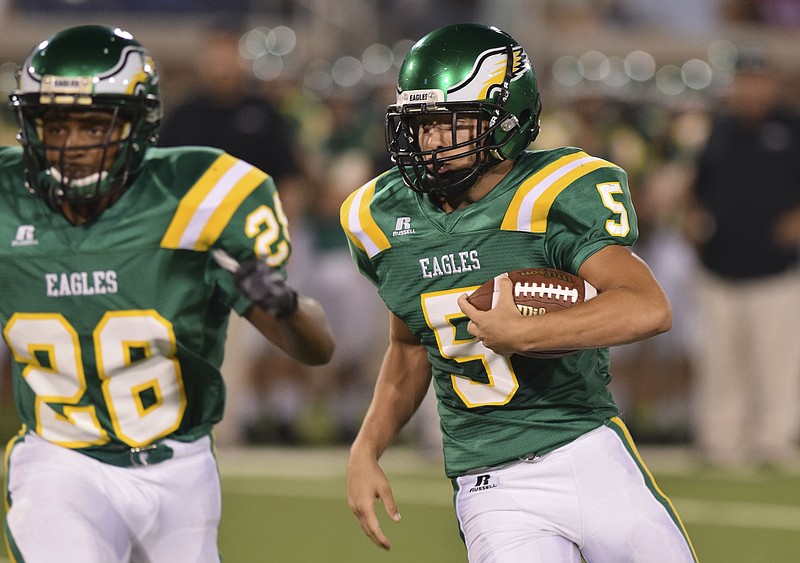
[
  {"x": 117, "y": 327},
  {"x": 554, "y": 209}
]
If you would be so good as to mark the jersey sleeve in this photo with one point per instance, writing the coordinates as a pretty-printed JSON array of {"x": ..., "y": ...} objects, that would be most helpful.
[
  {"x": 258, "y": 230},
  {"x": 235, "y": 207},
  {"x": 364, "y": 238},
  {"x": 593, "y": 212}
]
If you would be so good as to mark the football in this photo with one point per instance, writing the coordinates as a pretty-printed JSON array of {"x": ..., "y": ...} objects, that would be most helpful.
[{"x": 537, "y": 291}]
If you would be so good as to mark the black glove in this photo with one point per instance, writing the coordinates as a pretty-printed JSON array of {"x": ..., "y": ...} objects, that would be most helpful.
[{"x": 265, "y": 287}]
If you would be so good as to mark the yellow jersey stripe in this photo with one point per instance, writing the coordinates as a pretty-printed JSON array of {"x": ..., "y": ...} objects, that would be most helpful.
[
  {"x": 344, "y": 219},
  {"x": 359, "y": 224},
  {"x": 209, "y": 205},
  {"x": 531, "y": 204}
]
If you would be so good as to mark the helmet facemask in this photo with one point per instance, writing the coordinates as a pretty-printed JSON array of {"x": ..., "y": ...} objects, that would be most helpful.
[
  {"x": 420, "y": 168},
  {"x": 48, "y": 169}
]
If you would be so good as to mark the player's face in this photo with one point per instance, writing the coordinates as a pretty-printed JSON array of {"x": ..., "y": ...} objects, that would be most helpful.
[
  {"x": 437, "y": 132},
  {"x": 81, "y": 143}
]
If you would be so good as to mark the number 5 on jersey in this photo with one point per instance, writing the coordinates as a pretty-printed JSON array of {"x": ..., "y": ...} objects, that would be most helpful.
[{"x": 441, "y": 309}]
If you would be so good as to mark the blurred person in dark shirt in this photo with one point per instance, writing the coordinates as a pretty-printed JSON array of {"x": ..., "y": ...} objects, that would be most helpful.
[
  {"x": 226, "y": 111},
  {"x": 746, "y": 223}
]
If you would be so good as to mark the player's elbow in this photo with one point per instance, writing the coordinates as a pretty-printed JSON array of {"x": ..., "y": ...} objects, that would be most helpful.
[
  {"x": 321, "y": 353},
  {"x": 316, "y": 344},
  {"x": 660, "y": 317}
]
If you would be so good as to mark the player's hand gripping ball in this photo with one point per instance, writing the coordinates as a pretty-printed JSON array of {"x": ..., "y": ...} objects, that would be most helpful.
[{"x": 537, "y": 291}]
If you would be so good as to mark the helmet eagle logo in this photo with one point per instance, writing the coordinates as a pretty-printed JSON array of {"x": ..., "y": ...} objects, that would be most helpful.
[{"x": 488, "y": 74}]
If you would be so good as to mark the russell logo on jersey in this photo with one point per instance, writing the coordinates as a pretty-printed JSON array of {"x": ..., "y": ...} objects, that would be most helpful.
[
  {"x": 403, "y": 227},
  {"x": 26, "y": 236}
]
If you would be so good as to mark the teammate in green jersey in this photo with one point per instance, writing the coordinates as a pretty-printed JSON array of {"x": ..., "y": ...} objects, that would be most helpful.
[
  {"x": 120, "y": 265},
  {"x": 543, "y": 468}
]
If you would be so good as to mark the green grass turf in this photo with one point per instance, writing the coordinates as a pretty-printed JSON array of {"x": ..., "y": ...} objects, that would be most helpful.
[
  {"x": 304, "y": 528},
  {"x": 277, "y": 516}
]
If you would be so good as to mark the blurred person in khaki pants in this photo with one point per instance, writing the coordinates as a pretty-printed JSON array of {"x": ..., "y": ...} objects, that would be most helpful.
[{"x": 746, "y": 224}]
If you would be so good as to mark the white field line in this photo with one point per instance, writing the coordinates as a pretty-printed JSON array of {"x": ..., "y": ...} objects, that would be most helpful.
[
  {"x": 739, "y": 514},
  {"x": 248, "y": 469},
  {"x": 692, "y": 511}
]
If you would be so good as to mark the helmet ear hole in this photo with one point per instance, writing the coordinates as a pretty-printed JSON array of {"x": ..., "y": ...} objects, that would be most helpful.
[
  {"x": 527, "y": 117},
  {"x": 536, "y": 124}
]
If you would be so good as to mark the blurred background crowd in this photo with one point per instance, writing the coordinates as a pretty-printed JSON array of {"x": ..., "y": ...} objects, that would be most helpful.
[{"x": 300, "y": 88}]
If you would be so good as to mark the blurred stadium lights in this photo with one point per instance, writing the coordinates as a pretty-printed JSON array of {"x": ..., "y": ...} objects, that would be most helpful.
[
  {"x": 567, "y": 71},
  {"x": 318, "y": 80},
  {"x": 722, "y": 54},
  {"x": 593, "y": 65},
  {"x": 268, "y": 67},
  {"x": 696, "y": 74},
  {"x": 347, "y": 71},
  {"x": 400, "y": 50},
  {"x": 593, "y": 69},
  {"x": 253, "y": 43},
  {"x": 280, "y": 53},
  {"x": 615, "y": 72},
  {"x": 377, "y": 58},
  {"x": 8, "y": 77},
  {"x": 270, "y": 51},
  {"x": 669, "y": 80},
  {"x": 640, "y": 65},
  {"x": 281, "y": 40}
]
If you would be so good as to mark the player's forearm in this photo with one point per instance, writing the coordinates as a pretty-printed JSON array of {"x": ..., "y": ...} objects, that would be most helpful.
[
  {"x": 308, "y": 335},
  {"x": 619, "y": 316},
  {"x": 403, "y": 381},
  {"x": 630, "y": 306},
  {"x": 305, "y": 334}
]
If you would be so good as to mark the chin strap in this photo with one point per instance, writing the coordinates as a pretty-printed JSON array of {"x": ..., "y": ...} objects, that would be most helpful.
[{"x": 461, "y": 181}]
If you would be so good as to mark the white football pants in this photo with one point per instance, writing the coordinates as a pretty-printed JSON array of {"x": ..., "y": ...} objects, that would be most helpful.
[
  {"x": 71, "y": 508},
  {"x": 592, "y": 498}
]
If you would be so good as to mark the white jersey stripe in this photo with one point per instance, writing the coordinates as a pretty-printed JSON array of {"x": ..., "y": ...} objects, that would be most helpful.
[
  {"x": 526, "y": 208},
  {"x": 209, "y": 204},
  {"x": 356, "y": 228}
]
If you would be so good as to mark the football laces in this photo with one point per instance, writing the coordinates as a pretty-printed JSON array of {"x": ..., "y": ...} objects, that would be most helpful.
[{"x": 550, "y": 291}]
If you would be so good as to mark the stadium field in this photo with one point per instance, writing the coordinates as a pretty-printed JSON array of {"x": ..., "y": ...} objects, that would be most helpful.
[{"x": 289, "y": 506}]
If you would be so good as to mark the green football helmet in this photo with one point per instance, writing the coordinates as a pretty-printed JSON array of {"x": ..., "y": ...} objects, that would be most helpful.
[
  {"x": 462, "y": 70},
  {"x": 80, "y": 69}
]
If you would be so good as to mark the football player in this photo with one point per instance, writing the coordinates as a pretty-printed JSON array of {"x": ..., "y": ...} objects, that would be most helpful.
[
  {"x": 117, "y": 286},
  {"x": 543, "y": 468}
]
